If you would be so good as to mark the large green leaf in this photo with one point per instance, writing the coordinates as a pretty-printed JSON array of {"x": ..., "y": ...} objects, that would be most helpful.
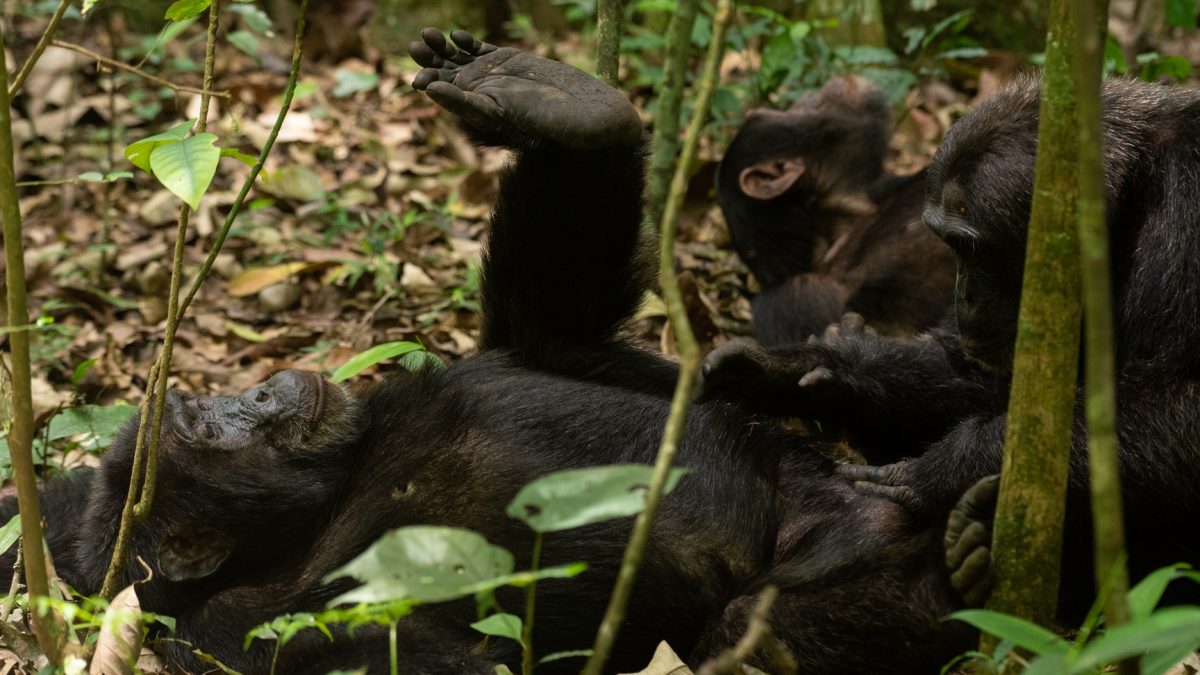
[
  {"x": 1166, "y": 630},
  {"x": 577, "y": 497},
  {"x": 187, "y": 167},
  {"x": 182, "y": 10},
  {"x": 1016, "y": 630},
  {"x": 376, "y": 354},
  {"x": 139, "y": 151},
  {"x": 425, "y": 563},
  {"x": 1144, "y": 597}
]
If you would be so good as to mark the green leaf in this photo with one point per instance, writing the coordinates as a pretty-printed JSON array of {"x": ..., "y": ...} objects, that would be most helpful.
[
  {"x": 1054, "y": 663},
  {"x": 81, "y": 370},
  {"x": 414, "y": 361},
  {"x": 139, "y": 151},
  {"x": 571, "y": 654},
  {"x": 101, "y": 423},
  {"x": 425, "y": 563},
  {"x": 1144, "y": 597},
  {"x": 248, "y": 160},
  {"x": 577, "y": 497},
  {"x": 10, "y": 533},
  {"x": 1168, "y": 629},
  {"x": 500, "y": 625},
  {"x": 187, "y": 167},
  {"x": 245, "y": 42},
  {"x": 1162, "y": 660},
  {"x": 182, "y": 10},
  {"x": 1016, "y": 630},
  {"x": 523, "y": 579},
  {"x": 349, "y": 82},
  {"x": 261, "y": 632},
  {"x": 374, "y": 355},
  {"x": 1181, "y": 13}
]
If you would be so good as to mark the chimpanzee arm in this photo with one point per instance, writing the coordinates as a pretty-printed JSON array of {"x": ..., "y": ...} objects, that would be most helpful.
[
  {"x": 563, "y": 266},
  {"x": 890, "y": 397},
  {"x": 62, "y": 500}
]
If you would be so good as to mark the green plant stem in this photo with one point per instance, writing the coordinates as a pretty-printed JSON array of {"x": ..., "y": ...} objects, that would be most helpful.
[
  {"x": 609, "y": 16},
  {"x": 530, "y": 596},
  {"x": 1099, "y": 373},
  {"x": 393, "y": 655},
  {"x": 666, "y": 117},
  {"x": 42, "y": 43},
  {"x": 137, "y": 508},
  {"x": 288, "y": 92},
  {"x": 689, "y": 353},
  {"x": 20, "y": 436},
  {"x": 1041, "y": 408}
]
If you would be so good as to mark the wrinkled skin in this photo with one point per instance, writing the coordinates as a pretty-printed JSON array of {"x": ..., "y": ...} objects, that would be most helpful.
[{"x": 295, "y": 478}]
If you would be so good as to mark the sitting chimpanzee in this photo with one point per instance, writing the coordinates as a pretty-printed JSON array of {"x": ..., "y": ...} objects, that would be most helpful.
[
  {"x": 823, "y": 227},
  {"x": 942, "y": 399},
  {"x": 262, "y": 495}
]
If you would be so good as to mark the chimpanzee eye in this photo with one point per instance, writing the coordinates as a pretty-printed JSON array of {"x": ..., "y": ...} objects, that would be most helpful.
[{"x": 262, "y": 396}]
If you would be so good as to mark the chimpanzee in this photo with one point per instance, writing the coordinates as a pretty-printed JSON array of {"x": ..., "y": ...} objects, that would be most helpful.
[
  {"x": 821, "y": 224},
  {"x": 942, "y": 399},
  {"x": 262, "y": 495}
]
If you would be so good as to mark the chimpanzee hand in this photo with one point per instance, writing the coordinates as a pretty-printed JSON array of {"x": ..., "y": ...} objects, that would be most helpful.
[
  {"x": 890, "y": 481},
  {"x": 514, "y": 93},
  {"x": 968, "y": 542},
  {"x": 802, "y": 381}
]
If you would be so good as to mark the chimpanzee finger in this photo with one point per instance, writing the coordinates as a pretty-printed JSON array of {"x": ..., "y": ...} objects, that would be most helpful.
[
  {"x": 832, "y": 333},
  {"x": 979, "y": 501},
  {"x": 975, "y": 578},
  {"x": 964, "y": 541},
  {"x": 424, "y": 56},
  {"x": 900, "y": 494},
  {"x": 888, "y": 474},
  {"x": 427, "y": 76},
  {"x": 475, "y": 109},
  {"x": 852, "y": 322},
  {"x": 471, "y": 44},
  {"x": 816, "y": 377},
  {"x": 437, "y": 42}
]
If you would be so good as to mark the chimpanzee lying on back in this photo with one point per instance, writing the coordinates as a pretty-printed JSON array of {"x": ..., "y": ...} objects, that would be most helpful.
[
  {"x": 262, "y": 495},
  {"x": 823, "y": 226},
  {"x": 943, "y": 399}
]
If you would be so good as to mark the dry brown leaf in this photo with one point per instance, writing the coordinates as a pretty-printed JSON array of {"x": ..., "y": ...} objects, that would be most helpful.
[
  {"x": 253, "y": 280},
  {"x": 665, "y": 662},
  {"x": 120, "y": 639}
]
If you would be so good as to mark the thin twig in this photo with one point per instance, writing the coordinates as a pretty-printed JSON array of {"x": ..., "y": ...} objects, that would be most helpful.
[
  {"x": 40, "y": 47},
  {"x": 758, "y": 635},
  {"x": 20, "y": 436},
  {"x": 137, "y": 71},
  {"x": 689, "y": 354},
  {"x": 15, "y": 585}
]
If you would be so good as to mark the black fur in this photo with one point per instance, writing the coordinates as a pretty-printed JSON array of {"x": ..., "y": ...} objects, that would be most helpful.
[
  {"x": 942, "y": 400},
  {"x": 845, "y": 235},
  {"x": 556, "y": 387}
]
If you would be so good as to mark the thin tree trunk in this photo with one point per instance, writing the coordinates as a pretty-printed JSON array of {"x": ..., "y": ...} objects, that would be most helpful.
[
  {"x": 20, "y": 435},
  {"x": 609, "y": 16},
  {"x": 1033, "y": 484},
  {"x": 666, "y": 116}
]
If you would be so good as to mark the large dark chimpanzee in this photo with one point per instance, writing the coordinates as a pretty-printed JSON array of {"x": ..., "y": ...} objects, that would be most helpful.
[
  {"x": 941, "y": 400},
  {"x": 823, "y": 227},
  {"x": 262, "y": 495}
]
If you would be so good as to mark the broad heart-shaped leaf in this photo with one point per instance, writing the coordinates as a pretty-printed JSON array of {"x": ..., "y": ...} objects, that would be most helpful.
[
  {"x": 139, "y": 151},
  {"x": 500, "y": 625},
  {"x": 1016, "y": 630},
  {"x": 1167, "y": 629},
  {"x": 383, "y": 352},
  {"x": 425, "y": 563},
  {"x": 187, "y": 167},
  {"x": 577, "y": 497}
]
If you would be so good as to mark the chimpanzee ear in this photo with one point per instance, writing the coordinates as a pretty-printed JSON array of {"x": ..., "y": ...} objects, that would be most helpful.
[
  {"x": 193, "y": 552},
  {"x": 769, "y": 179}
]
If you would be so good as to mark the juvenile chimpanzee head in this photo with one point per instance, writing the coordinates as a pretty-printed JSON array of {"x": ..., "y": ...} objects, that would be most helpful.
[
  {"x": 788, "y": 177},
  {"x": 237, "y": 475},
  {"x": 980, "y": 186}
]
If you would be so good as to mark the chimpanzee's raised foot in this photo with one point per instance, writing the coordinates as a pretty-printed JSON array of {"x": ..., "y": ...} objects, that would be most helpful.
[
  {"x": 969, "y": 542},
  {"x": 516, "y": 98}
]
